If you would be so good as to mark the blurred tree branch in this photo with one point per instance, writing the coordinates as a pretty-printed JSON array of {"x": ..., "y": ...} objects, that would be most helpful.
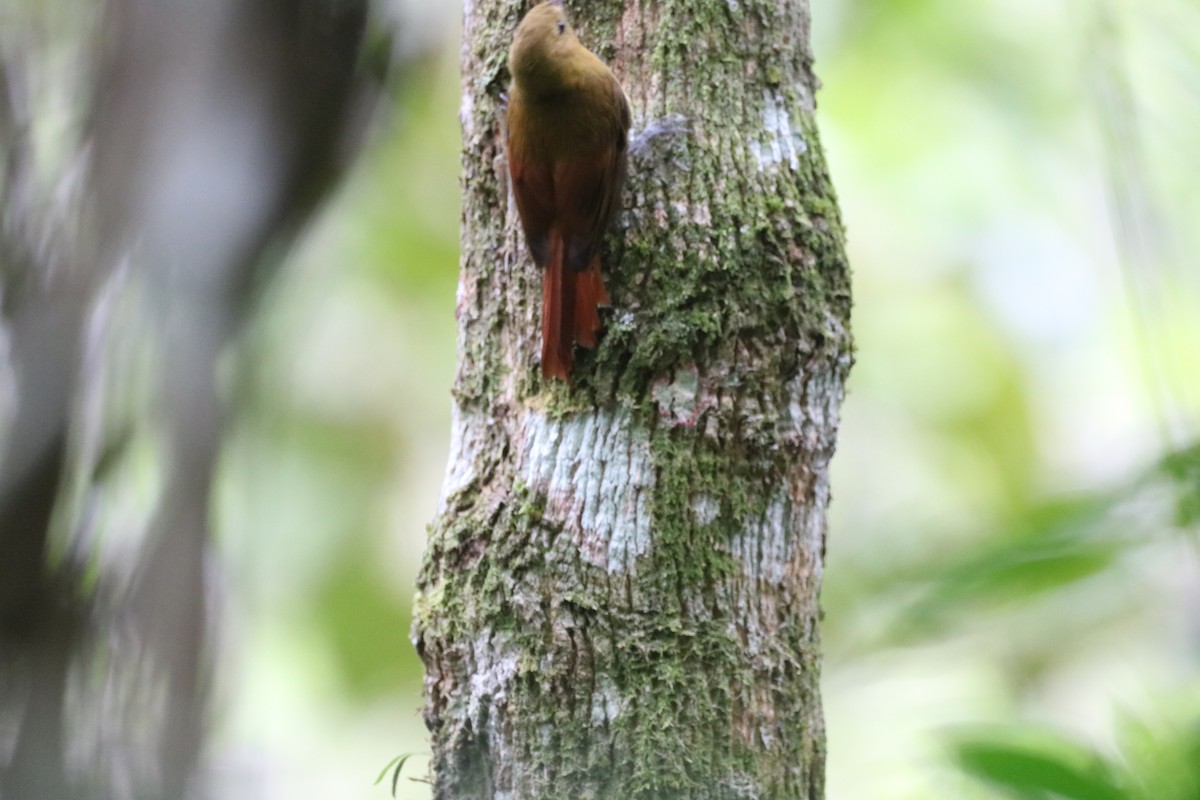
[{"x": 214, "y": 132}]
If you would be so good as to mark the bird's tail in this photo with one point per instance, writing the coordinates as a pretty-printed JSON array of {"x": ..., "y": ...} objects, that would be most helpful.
[
  {"x": 589, "y": 296},
  {"x": 569, "y": 310}
]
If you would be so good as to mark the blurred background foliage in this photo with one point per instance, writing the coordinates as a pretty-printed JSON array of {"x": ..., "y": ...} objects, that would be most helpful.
[
  {"x": 1011, "y": 592},
  {"x": 1012, "y": 599}
]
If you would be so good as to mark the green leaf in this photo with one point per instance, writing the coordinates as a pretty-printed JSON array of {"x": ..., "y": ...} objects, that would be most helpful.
[
  {"x": 1038, "y": 765},
  {"x": 1161, "y": 746},
  {"x": 1183, "y": 468},
  {"x": 396, "y": 766},
  {"x": 1057, "y": 543}
]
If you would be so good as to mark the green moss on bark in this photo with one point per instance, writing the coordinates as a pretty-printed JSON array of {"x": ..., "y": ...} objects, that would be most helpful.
[
  {"x": 688, "y": 666},
  {"x": 665, "y": 668}
]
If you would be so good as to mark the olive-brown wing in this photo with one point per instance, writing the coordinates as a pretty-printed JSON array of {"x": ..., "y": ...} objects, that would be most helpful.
[
  {"x": 585, "y": 192},
  {"x": 533, "y": 188},
  {"x": 588, "y": 188}
]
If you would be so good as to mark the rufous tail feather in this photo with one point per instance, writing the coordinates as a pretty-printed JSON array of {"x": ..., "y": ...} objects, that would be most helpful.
[
  {"x": 570, "y": 316},
  {"x": 589, "y": 296},
  {"x": 558, "y": 313}
]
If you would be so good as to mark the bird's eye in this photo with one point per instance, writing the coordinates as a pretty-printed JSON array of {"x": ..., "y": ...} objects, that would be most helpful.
[{"x": 562, "y": 26}]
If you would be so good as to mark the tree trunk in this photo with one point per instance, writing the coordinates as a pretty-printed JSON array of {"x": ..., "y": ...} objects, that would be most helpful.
[{"x": 619, "y": 598}]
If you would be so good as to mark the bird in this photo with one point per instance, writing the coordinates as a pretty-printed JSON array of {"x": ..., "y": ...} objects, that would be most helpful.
[{"x": 567, "y": 140}]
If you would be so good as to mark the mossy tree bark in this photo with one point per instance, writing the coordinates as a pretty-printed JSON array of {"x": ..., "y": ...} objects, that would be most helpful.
[{"x": 619, "y": 598}]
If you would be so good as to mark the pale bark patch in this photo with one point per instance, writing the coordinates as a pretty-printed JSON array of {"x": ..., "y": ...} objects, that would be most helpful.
[
  {"x": 782, "y": 142},
  {"x": 594, "y": 473}
]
